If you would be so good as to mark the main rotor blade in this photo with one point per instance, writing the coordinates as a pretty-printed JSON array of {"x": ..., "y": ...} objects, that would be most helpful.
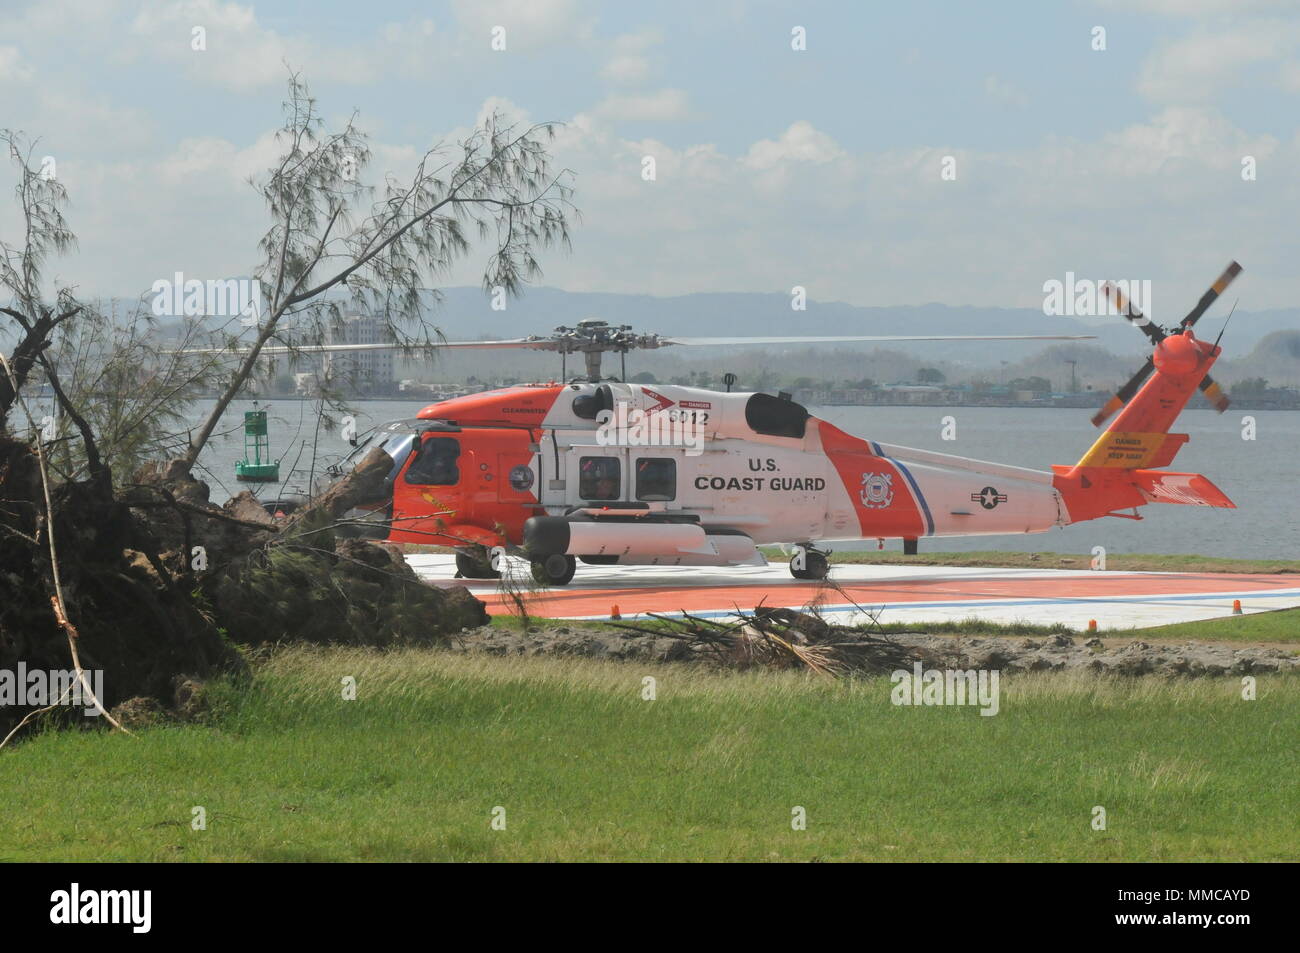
[
  {"x": 1207, "y": 299},
  {"x": 527, "y": 343},
  {"x": 847, "y": 339}
]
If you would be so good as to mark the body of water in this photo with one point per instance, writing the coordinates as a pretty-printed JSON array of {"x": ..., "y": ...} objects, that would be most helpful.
[{"x": 1259, "y": 475}]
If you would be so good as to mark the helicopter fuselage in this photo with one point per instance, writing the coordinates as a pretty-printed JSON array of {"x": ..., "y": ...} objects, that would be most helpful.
[{"x": 669, "y": 474}]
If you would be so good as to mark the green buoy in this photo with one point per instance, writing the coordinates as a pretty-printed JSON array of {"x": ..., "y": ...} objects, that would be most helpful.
[{"x": 257, "y": 465}]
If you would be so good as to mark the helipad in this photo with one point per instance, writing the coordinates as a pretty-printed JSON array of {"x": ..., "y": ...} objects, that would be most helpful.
[{"x": 891, "y": 593}]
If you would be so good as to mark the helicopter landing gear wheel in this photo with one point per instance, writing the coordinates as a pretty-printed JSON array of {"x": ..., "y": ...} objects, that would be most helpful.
[
  {"x": 475, "y": 565},
  {"x": 809, "y": 563},
  {"x": 554, "y": 570}
]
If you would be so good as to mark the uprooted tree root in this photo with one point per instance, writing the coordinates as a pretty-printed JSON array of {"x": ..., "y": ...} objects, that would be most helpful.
[
  {"x": 129, "y": 617},
  {"x": 781, "y": 639},
  {"x": 144, "y": 609}
]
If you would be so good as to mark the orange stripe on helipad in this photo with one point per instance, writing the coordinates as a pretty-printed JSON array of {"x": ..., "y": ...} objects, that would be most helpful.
[{"x": 633, "y": 599}]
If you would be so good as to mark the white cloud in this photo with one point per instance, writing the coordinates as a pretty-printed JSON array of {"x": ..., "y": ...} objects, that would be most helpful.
[
  {"x": 997, "y": 88},
  {"x": 788, "y": 204},
  {"x": 244, "y": 56},
  {"x": 629, "y": 63},
  {"x": 799, "y": 143},
  {"x": 529, "y": 24},
  {"x": 1200, "y": 66},
  {"x": 661, "y": 105},
  {"x": 1199, "y": 8},
  {"x": 626, "y": 68},
  {"x": 1161, "y": 199},
  {"x": 12, "y": 67}
]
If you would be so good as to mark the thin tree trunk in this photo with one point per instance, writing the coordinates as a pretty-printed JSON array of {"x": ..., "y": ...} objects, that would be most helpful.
[{"x": 229, "y": 394}]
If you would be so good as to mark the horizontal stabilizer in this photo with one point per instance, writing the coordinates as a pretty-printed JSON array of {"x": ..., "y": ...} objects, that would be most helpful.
[{"x": 1163, "y": 486}]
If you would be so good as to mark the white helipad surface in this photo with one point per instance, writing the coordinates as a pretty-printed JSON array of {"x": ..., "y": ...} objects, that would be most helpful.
[{"x": 892, "y": 593}]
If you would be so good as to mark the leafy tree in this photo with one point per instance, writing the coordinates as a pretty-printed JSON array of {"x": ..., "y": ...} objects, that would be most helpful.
[
  {"x": 1250, "y": 387},
  {"x": 1036, "y": 385},
  {"x": 333, "y": 244}
]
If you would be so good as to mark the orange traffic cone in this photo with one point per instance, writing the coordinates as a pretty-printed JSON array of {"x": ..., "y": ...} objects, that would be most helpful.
[
  {"x": 613, "y": 612},
  {"x": 1236, "y": 607},
  {"x": 1092, "y": 625}
]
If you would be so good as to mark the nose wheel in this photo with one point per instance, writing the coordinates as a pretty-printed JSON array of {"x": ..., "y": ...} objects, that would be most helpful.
[
  {"x": 554, "y": 570},
  {"x": 809, "y": 563},
  {"x": 475, "y": 564}
]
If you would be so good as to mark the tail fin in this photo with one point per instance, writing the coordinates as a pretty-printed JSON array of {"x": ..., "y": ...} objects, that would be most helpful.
[
  {"x": 1118, "y": 471},
  {"x": 1139, "y": 437}
]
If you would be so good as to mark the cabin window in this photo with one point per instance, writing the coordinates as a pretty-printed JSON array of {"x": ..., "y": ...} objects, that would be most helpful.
[
  {"x": 656, "y": 479},
  {"x": 435, "y": 464},
  {"x": 600, "y": 478}
]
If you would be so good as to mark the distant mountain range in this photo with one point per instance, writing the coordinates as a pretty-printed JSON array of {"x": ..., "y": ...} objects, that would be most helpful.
[
  {"x": 1257, "y": 344},
  {"x": 466, "y": 313}
]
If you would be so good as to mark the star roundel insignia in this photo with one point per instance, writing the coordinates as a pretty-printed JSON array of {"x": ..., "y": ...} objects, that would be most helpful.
[{"x": 988, "y": 497}]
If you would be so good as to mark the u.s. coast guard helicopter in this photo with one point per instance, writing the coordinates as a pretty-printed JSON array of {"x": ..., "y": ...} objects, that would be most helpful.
[{"x": 604, "y": 472}]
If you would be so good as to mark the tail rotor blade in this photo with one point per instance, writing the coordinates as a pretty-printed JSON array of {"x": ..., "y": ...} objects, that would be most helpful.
[
  {"x": 1214, "y": 394},
  {"x": 1212, "y": 295},
  {"x": 1124, "y": 394},
  {"x": 1131, "y": 314}
]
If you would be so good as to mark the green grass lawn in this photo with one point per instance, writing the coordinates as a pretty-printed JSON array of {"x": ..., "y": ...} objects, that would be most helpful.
[
  {"x": 1280, "y": 625},
  {"x": 588, "y": 770}
]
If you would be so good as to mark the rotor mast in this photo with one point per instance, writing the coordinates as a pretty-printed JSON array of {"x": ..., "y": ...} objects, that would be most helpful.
[{"x": 592, "y": 338}]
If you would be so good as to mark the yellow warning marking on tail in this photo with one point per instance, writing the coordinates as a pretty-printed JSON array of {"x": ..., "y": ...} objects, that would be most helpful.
[{"x": 1127, "y": 450}]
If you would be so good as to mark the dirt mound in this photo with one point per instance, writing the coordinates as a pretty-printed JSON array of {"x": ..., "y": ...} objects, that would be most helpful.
[
  {"x": 1057, "y": 654},
  {"x": 562, "y": 640},
  {"x": 1064, "y": 653}
]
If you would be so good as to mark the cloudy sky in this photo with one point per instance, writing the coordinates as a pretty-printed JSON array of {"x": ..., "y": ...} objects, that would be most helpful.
[{"x": 775, "y": 167}]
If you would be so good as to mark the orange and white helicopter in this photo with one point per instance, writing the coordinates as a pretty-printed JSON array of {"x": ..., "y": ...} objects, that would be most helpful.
[{"x": 606, "y": 472}]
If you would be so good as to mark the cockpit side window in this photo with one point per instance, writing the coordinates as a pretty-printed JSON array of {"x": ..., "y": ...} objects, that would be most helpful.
[{"x": 435, "y": 463}]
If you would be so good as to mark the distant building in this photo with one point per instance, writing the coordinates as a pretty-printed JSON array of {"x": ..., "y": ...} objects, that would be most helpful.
[{"x": 365, "y": 370}]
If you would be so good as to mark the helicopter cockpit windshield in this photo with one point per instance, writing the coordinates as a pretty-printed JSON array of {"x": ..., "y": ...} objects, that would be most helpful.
[{"x": 397, "y": 438}]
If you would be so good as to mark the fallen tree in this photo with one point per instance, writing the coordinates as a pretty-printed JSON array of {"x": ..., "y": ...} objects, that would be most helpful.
[{"x": 146, "y": 580}]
